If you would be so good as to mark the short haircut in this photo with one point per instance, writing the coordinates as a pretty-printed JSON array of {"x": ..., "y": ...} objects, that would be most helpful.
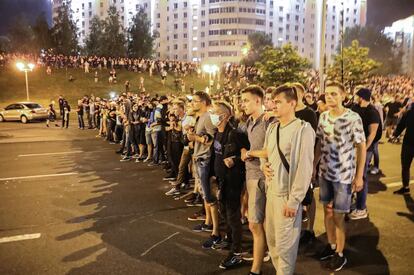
[
  {"x": 224, "y": 105},
  {"x": 299, "y": 87},
  {"x": 335, "y": 84},
  {"x": 289, "y": 90},
  {"x": 203, "y": 97},
  {"x": 254, "y": 90}
]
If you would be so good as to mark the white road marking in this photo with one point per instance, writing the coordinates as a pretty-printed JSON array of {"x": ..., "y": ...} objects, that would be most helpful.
[
  {"x": 398, "y": 183},
  {"x": 58, "y": 153},
  {"x": 20, "y": 238},
  {"x": 157, "y": 244},
  {"x": 39, "y": 176}
]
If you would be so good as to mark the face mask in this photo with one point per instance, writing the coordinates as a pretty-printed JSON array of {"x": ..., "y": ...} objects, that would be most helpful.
[{"x": 215, "y": 119}]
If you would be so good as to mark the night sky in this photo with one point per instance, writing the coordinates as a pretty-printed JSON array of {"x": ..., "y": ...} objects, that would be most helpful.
[{"x": 380, "y": 12}]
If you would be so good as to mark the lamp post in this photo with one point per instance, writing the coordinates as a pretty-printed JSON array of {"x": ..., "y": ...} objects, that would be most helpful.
[{"x": 25, "y": 67}]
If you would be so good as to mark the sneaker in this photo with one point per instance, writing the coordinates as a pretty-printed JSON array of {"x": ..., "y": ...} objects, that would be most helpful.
[
  {"x": 173, "y": 192},
  {"x": 247, "y": 256},
  {"x": 147, "y": 160},
  {"x": 152, "y": 164},
  {"x": 266, "y": 257},
  {"x": 197, "y": 202},
  {"x": 327, "y": 253},
  {"x": 137, "y": 160},
  {"x": 126, "y": 158},
  {"x": 191, "y": 198},
  {"x": 232, "y": 260},
  {"x": 224, "y": 244},
  {"x": 203, "y": 227},
  {"x": 307, "y": 237},
  {"x": 374, "y": 171},
  {"x": 358, "y": 214},
  {"x": 402, "y": 191},
  {"x": 169, "y": 177},
  {"x": 212, "y": 240},
  {"x": 119, "y": 151},
  {"x": 337, "y": 262},
  {"x": 136, "y": 156},
  {"x": 198, "y": 216},
  {"x": 112, "y": 143},
  {"x": 305, "y": 217}
]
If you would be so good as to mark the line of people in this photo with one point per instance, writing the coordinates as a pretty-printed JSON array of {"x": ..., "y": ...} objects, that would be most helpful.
[{"x": 256, "y": 156}]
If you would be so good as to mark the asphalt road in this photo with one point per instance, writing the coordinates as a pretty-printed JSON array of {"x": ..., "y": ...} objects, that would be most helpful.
[{"x": 68, "y": 206}]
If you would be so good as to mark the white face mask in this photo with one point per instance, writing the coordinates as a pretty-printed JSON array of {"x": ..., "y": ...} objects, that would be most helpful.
[{"x": 215, "y": 119}]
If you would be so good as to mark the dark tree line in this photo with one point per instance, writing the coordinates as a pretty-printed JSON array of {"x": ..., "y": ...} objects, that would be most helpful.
[{"x": 107, "y": 37}]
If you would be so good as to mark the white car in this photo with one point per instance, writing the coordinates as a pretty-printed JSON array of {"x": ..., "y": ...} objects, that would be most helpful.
[{"x": 24, "y": 112}]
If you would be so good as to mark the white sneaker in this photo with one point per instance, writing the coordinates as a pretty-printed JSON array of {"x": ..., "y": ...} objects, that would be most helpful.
[
  {"x": 147, "y": 160},
  {"x": 266, "y": 257},
  {"x": 374, "y": 171},
  {"x": 358, "y": 214},
  {"x": 173, "y": 191}
]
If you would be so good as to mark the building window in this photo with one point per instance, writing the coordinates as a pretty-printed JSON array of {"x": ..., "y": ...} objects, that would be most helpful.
[
  {"x": 175, "y": 15},
  {"x": 90, "y": 14},
  {"x": 101, "y": 5},
  {"x": 185, "y": 15},
  {"x": 203, "y": 23},
  {"x": 185, "y": 4},
  {"x": 175, "y": 5},
  {"x": 184, "y": 25},
  {"x": 185, "y": 35},
  {"x": 280, "y": 9},
  {"x": 175, "y": 46},
  {"x": 175, "y": 26},
  {"x": 175, "y": 36},
  {"x": 90, "y": 5}
]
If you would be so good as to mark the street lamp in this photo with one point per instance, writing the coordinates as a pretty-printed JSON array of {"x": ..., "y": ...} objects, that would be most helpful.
[
  {"x": 210, "y": 69},
  {"x": 25, "y": 67}
]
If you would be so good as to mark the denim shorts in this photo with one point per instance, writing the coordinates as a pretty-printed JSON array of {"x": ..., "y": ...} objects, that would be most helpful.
[
  {"x": 203, "y": 172},
  {"x": 148, "y": 138},
  {"x": 338, "y": 193}
]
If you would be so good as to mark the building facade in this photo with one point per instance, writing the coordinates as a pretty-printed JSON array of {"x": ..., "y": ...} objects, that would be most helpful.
[
  {"x": 402, "y": 33},
  {"x": 216, "y": 31}
]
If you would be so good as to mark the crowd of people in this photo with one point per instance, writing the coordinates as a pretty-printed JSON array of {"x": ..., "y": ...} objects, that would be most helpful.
[{"x": 254, "y": 155}]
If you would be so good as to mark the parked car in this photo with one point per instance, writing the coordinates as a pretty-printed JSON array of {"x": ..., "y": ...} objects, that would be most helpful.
[{"x": 24, "y": 112}]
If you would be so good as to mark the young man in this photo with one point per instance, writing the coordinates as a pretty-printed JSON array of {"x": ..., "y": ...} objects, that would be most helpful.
[
  {"x": 407, "y": 150},
  {"x": 339, "y": 131},
  {"x": 289, "y": 145},
  {"x": 252, "y": 104},
  {"x": 203, "y": 139},
  {"x": 371, "y": 122},
  {"x": 229, "y": 171}
]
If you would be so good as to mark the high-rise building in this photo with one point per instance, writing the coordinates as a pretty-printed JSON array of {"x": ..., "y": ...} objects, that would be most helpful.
[
  {"x": 402, "y": 32},
  {"x": 84, "y": 10},
  {"x": 216, "y": 31}
]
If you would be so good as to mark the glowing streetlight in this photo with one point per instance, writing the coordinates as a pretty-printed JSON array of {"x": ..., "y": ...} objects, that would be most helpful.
[
  {"x": 210, "y": 69},
  {"x": 25, "y": 67}
]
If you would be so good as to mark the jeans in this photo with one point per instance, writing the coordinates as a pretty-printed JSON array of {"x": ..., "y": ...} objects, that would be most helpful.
[
  {"x": 407, "y": 155},
  {"x": 376, "y": 155},
  {"x": 203, "y": 171},
  {"x": 176, "y": 152},
  {"x": 156, "y": 141},
  {"x": 361, "y": 201},
  {"x": 129, "y": 136},
  {"x": 230, "y": 210},
  {"x": 81, "y": 122}
]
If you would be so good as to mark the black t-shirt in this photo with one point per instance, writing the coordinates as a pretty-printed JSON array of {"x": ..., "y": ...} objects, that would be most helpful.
[
  {"x": 313, "y": 106},
  {"x": 369, "y": 115},
  {"x": 219, "y": 167},
  {"x": 393, "y": 108},
  {"x": 309, "y": 116}
]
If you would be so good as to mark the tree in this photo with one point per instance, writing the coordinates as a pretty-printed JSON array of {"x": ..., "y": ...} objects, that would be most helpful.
[
  {"x": 358, "y": 67},
  {"x": 381, "y": 47},
  {"x": 42, "y": 33},
  {"x": 140, "y": 40},
  {"x": 64, "y": 31},
  {"x": 281, "y": 65},
  {"x": 21, "y": 35},
  {"x": 256, "y": 42},
  {"x": 93, "y": 43},
  {"x": 113, "y": 39}
]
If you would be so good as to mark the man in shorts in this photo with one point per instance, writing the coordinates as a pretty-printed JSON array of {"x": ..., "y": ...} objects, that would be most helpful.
[{"x": 340, "y": 131}]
